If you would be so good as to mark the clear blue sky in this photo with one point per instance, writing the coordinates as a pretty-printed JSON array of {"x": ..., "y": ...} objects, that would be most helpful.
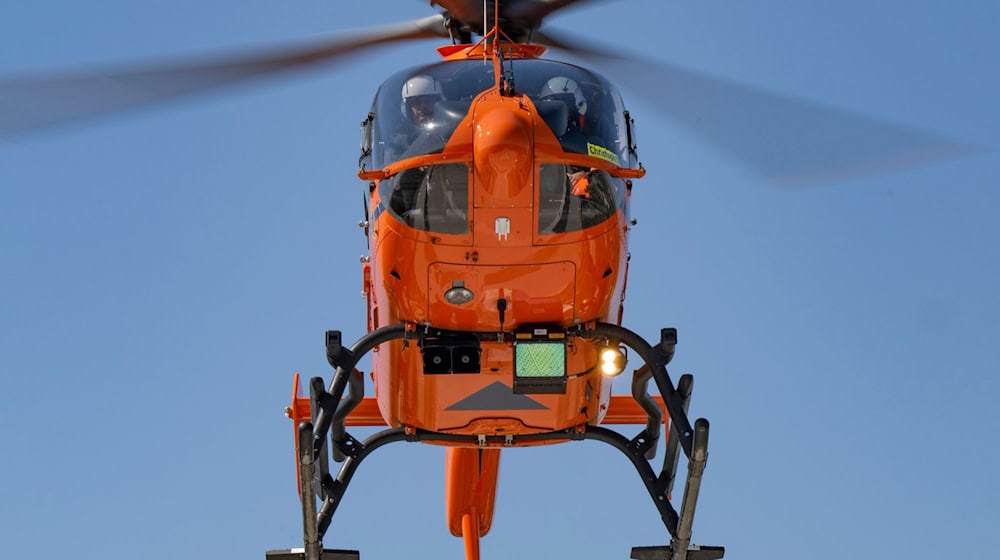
[{"x": 163, "y": 274}]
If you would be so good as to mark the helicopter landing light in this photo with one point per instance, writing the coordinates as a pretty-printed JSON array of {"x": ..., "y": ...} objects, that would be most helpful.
[
  {"x": 612, "y": 361},
  {"x": 458, "y": 294}
]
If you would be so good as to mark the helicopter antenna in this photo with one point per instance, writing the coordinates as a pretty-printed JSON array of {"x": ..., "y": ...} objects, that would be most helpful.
[
  {"x": 506, "y": 73},
  {"x": 485, "y": 33}
]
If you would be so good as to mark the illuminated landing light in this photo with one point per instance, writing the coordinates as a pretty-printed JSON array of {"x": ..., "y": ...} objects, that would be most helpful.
[
  {"x": 458, "y": 294},
  {"x": 612, "y": 361}
]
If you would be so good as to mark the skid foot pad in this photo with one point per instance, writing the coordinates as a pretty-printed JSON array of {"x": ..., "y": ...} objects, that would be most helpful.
[
  {"x": 300, "y": 554},
  {"x": 666, "y": 553}
]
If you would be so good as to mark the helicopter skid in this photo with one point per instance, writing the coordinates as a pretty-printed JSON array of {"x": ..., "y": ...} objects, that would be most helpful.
[
  {"x": 328, "y": 414},
  {"x": 667, "y": 553},
  {"x": 300, "y": 554}
]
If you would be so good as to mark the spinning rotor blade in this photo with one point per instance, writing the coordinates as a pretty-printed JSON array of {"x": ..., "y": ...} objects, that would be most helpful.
[
  {"x": 27, "y": 104},
  {"x": 785, "y": 139}
]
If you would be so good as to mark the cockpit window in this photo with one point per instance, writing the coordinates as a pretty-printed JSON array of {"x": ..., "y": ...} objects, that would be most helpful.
[
  {"x": 417, "y": 110},
  {"x": 582, "y": 109},
  {"x": 571, "y": 198},
  {"x": 432, "y": 198}
]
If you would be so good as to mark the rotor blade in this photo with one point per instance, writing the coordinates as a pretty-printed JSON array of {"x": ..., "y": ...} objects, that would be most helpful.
[
  {"x": 786, "y": 139},
  {"x": 30, "y": 103}
]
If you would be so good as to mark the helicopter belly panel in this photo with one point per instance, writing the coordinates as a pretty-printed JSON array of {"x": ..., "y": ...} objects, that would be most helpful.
[
  {"x": 487, "y": 402},
  {"x": 534, "y": 293}
]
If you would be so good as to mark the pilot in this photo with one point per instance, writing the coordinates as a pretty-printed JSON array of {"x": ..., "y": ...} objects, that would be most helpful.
[
  {"x": 420, "y": 93},
  {"x": 419, "y": 96},
  {"x": 415, "y": 136},
  {"x": 568, "y": 91}
]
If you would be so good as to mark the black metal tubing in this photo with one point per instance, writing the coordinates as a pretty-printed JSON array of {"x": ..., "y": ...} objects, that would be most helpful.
[
  {"x": 654, "y": 484},
  {"x": 694, "y": 441},
  {"x": 317, "y": 396},
  {"x": 355, "y": 394},
  {"x": 640, "y": 380},
  {"x": 344, "y": 361},
  {"x": 657, "y": 360},
  {"x": 334, "y": 489},
  {"x": 677, "y": 524},
  {"x": 685, "y": 385}
]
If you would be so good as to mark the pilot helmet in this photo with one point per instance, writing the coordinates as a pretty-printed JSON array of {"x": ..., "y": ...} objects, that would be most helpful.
[
  {"x": 567, "y": 90},
  {"x": 420, "y": 88}
]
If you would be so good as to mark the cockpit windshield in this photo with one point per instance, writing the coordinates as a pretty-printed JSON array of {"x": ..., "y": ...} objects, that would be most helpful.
[{"x": 416, "y": 111}]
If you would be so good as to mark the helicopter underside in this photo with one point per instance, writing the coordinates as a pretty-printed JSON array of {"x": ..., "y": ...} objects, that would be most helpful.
[{"x": 494, "y": 399}]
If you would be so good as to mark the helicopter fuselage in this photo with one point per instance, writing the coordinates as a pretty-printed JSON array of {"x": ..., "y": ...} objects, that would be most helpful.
[{"x": 504, "y": 219}]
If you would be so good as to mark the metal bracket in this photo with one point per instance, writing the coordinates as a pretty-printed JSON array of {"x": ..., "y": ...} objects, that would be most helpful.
[
  {"x": 642, "y": 443},
  {"x": 350, "y": 446}
]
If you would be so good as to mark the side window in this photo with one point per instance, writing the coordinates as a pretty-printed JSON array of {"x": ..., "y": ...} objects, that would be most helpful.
[
  {"x": 571, "y": 198},
  {"x": 432, "y": 198},
  {"x": 583, "y": 110}
]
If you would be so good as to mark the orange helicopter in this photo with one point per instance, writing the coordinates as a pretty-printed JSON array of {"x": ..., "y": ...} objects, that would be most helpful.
[
  {"x": 497, "y": 217},
  {"x": 497, "y": 220}
]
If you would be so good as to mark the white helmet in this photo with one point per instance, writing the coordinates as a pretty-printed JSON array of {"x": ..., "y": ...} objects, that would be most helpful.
[
  {"x": 421, "y": 85},
  {"x": 563, "y": 87}
]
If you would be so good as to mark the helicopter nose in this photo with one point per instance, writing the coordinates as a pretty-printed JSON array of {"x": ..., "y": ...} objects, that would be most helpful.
[{"x": 502, "y": 149}]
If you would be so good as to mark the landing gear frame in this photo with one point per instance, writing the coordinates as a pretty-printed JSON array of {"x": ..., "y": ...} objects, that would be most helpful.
[{"x": 329, "y": 410}]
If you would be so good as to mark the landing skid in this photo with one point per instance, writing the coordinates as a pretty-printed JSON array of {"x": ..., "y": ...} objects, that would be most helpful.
[
  {"x": 299, "y": 553},
  {"x": 329, "y": 411}
]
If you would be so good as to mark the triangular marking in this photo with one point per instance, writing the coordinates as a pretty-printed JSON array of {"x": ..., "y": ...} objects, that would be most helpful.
[{"x": 497, "y": 396}]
